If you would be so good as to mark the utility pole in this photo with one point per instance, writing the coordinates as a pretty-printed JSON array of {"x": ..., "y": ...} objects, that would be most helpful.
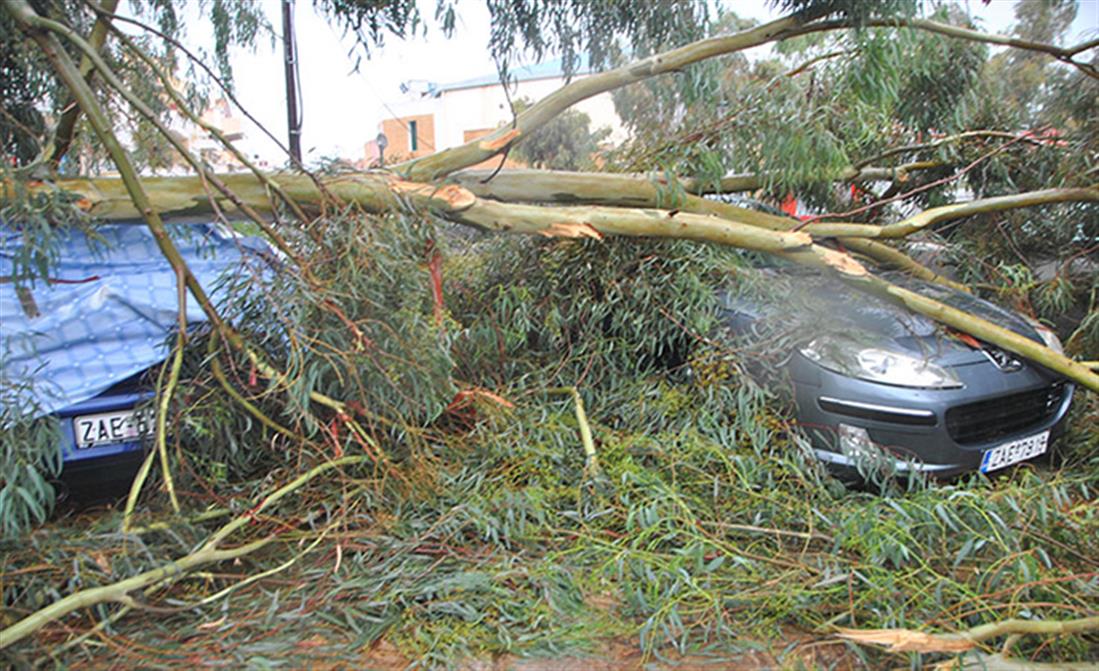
[{"x": 290, "y": 60}]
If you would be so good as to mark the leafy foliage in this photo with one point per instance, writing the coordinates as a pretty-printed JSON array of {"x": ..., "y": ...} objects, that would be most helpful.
[
  {"x": 591, "y": 28},
  {"x": 29, "y": 454},
  {"x": 481, "y": 529},
  {"x": 853, "y": 9},
  {"x": 372, "y": 20},
  {"x": 23, "y": 85},
  {"x": 362, "y": 325},
  {"x": 36, "y": 95},
  {"x": 580, "y": 31}
]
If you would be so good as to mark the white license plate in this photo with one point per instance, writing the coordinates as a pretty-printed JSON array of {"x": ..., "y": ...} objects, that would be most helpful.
[
  {"x": 1014, "y": 452},
  {"x": 107, "y": 428}
]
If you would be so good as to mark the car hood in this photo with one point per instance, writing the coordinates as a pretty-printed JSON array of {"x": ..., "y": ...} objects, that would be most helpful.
[{"x": 823, "y": 305}]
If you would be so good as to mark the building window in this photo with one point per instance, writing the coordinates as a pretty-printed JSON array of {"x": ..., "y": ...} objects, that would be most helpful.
[{"x": 413, "y": 141}]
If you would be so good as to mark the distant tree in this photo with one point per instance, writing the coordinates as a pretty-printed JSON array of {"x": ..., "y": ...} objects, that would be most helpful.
[{"x": 566, "y": 143}]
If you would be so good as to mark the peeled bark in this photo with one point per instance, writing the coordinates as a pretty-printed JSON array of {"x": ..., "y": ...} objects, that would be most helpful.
[
  {"x": 642, "y": 191},
  {"x": 906, "y": 640}
]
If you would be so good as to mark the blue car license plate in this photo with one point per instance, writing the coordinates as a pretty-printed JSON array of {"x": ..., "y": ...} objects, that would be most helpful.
[
  {"x": 107, "y": 428},
  {"x": 1014, "y": 452}
]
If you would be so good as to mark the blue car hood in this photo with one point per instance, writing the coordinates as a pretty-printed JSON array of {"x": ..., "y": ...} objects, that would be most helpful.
[{"x": 108, "y": 306}]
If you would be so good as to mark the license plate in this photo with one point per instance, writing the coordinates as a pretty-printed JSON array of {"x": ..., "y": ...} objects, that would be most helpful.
[
  {"x": 1014, "y": 452},
  {"x": 107, "y": 428}
]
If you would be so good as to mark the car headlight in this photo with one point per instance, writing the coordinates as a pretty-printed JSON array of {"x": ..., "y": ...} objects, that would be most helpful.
[
  {"x": 1049, "y": 338},
  {"x": 878, "y": 364}
]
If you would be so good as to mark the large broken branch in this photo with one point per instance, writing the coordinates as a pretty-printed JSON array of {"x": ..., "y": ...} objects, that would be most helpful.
[
  {"x": 443, "y": 163},
  {"x": 593, "y": 221},
  {"x": 697, "y": 219},
  {"x": 448, "y": 161},
  {"x": 640, "y": 191},
  {"x": 187, "y": 198},
  {"x": 937, "y": 215}
]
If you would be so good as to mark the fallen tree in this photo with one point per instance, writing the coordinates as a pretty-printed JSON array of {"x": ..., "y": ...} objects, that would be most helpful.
[
  {"x": 551, "y": 204},
  {"x": 412, "y": 186},
  {"x": 714, "y": 222}
]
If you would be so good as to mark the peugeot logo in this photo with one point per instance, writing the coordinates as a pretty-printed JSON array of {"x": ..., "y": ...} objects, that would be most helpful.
[{"x": 1002, "y": 360}]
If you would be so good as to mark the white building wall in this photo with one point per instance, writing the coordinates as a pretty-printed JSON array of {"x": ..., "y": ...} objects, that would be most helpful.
[
  {"x": 479, "y": 107},
  {"x": 474, "y": 108}
]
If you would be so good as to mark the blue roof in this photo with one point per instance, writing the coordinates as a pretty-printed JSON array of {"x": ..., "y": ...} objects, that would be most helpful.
[{"x": 546, "y": 70}]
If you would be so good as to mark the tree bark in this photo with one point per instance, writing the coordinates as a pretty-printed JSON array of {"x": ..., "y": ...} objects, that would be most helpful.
[{"x": 66, "y": 126}]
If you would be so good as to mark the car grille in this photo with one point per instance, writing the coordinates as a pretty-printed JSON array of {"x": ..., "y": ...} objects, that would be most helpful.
[{"x": 988, "y": 420}]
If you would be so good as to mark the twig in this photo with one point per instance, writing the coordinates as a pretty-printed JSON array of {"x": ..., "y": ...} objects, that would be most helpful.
[
  {"x": 585, "y": 428},
  {"x": 182, "y": 106},
  {"x": 1027, "y": 136},
  {"x": 812, "y": 536},
  {"x": 204, "y": 516},
  {"x": 166, "y": 393},
  {"x": 219, "y": 375},
  {"x": 135, "y": 488},
  {"x": 919, "y": 189}
]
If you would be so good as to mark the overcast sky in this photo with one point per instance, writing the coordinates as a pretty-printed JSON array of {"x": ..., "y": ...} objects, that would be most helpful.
[{"x": 342, "y": 107}]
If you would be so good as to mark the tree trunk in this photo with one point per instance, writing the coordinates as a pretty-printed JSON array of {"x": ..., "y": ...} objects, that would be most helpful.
[{"x": 692, "y": 218}]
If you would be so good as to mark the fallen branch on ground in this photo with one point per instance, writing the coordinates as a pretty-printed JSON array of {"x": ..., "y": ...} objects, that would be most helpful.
[
  {"x": 208, "y": 553},
  {"x": 907, "y": 640}
]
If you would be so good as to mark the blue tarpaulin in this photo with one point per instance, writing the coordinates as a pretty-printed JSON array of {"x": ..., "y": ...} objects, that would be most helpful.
[{"x": 109, "y": 305}]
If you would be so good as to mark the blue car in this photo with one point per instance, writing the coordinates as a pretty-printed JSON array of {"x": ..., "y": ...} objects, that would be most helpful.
[{"x": 88, "y": 335}]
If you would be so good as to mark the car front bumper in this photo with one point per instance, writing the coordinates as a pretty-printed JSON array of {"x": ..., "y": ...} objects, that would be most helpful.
[{"x": 944, "y": 432}]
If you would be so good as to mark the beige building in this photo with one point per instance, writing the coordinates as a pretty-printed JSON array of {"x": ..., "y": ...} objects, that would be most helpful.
[
  {"x": 200, "y": 144},
  {"x": 441, "y": 116}
]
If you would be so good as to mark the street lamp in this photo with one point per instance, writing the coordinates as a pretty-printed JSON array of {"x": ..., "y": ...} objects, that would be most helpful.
[{"x": 383, "y": 142}]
